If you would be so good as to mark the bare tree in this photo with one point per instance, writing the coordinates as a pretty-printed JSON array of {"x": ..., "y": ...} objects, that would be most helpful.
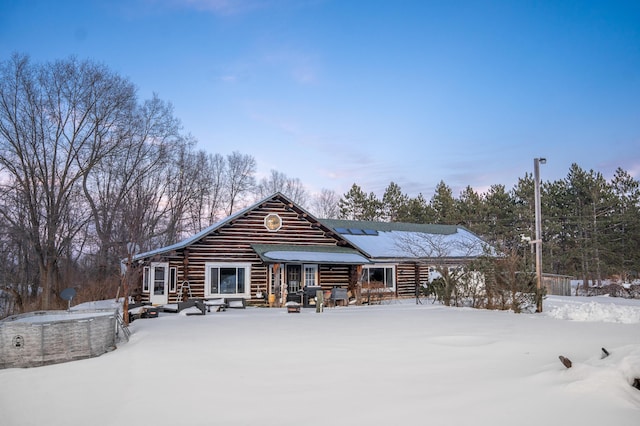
[
  {"x": 216, "y": 186},
  {"x": 109, "y": 184},
  {"x": 448, "y": 256},
  {"x": 209, "y": 190},
  {"x": 181, "y": 175},
  {"x": 507, "y": 283},
  {"x": 279, "y": 182},
  {"x": 57, "y": 121},
  {"x": 240, "y": 178},
  {"x": 325, "y": 204}
]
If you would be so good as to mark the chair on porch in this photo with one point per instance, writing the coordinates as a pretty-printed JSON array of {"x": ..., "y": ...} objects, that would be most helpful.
[{"x": 336, "y": 295}]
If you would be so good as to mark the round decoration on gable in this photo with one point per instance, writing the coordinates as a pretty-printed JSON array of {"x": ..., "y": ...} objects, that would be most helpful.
[{"x": 272, "y": 222}]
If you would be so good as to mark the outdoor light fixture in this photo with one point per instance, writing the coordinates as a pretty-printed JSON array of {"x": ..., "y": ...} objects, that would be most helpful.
[{"x": 538, "y": 240}]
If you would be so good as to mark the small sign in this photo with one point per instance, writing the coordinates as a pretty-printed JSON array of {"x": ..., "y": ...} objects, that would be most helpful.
[{"x": 18, "y": 342}]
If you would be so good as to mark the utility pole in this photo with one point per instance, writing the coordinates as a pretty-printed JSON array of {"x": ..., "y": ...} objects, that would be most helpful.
[{"x": 538, "y": 240}]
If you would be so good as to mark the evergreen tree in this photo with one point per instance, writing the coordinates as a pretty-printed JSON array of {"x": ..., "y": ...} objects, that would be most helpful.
[
  {"x": 591, "y": 206},
  {"x": 524, "y": 206},
  {"x": 417, "y": 211},
  {"x": 471, "y": 210},
  {"x": 500, "y": 214},
  {"x": 443, "y": 205},
  {"x": 356, "y": 205},
  {"x": 559, "y": 245},
  {"x": 624, "y": 235},
  {"x": 394, "y": 203}
]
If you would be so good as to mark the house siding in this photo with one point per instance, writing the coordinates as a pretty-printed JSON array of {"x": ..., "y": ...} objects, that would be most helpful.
[
  {"x": 241, "y": 239},
  {"x": 408, "y": 275},
  {"x": 232, "y": 243}
]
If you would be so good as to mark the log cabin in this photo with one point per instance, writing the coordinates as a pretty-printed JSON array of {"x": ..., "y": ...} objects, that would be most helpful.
[{"x": 275, "y": 251}]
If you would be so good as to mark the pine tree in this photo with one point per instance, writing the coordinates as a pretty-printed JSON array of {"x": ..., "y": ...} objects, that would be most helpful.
[
  {"x": 417, "y": 211},
  {"x": 471, "y": 210},
  {"x": 500, "y": 214},
  {"x": 444, "y": 205},
  {"x": 356, "y": 205},
  {"x": 351, "y": 204},
  {"x": 394, "y": 203},
  {"x": 624, "y": 235}
]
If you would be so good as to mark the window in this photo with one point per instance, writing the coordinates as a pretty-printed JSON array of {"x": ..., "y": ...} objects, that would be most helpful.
[
  {"x": 276, "y": 279},
  {"x": 145, "y": 280},
  {"x": 310, "y": 275},
  {"x": 159, "y": 280},
  {"x": 379, "y": 277},
  {"x": 299, "y": 276},
  {"x": 227, "y": 279},
  {"x": 173, "y": 279}
]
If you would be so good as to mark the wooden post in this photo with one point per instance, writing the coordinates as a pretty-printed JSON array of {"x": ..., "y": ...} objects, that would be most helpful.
[
  {"x": 319, "y": 301},
  {"x": 358, "y": 284},
  {"x": 125, "y": 289},
  {"x": 185, "y": 266},
  {"x": 277, "y": 285},
  {"x": 132, "y": 248},
  {"x": 417, "y": 282}
]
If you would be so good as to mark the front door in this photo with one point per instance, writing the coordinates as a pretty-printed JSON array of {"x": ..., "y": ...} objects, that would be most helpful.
[
  {"x": 299, "y": 277},
  {"x": 159, "y": 273},
  {"x": 294, "y": 278}
]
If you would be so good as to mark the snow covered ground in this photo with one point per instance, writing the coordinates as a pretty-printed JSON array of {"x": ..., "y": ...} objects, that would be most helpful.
[{"x": 395, "y": 364}]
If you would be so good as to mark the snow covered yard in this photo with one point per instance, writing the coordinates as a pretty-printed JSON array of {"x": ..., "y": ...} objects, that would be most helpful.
[{"x": 376, "y": 365}]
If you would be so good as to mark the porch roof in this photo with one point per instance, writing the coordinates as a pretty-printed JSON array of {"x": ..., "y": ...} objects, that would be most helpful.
[{"x": 282, "y": 253}]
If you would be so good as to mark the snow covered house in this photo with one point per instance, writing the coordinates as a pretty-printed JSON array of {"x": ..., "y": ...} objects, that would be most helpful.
[{"x": 276, "y": 251}]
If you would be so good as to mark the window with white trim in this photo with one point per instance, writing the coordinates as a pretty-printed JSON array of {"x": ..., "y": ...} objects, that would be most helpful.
[
  {"x": 145, "y": 279},
  {"x": 310, "y": 275},
  {"x": 379, "y": 277},
  {"x": 227, "y": 279},
  {"x": 173, "y": 279},
  {"x": 276, "y": 279}
]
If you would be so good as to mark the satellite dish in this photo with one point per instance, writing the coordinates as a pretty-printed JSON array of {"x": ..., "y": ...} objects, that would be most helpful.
[{"x": 68, "y": 294}]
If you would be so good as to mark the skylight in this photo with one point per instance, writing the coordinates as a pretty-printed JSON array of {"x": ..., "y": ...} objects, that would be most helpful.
[{"x": 356, "y": 231}]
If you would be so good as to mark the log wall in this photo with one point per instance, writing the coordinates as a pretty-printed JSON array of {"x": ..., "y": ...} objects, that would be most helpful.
[
  {"x": 408, "y": 275},
  {"x": 232, "y": 243}
]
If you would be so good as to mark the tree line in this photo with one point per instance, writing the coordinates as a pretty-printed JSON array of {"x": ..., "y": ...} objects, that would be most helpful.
[
  {"x": 590, "y": 225},
  {"x": 89, "y": 172}
]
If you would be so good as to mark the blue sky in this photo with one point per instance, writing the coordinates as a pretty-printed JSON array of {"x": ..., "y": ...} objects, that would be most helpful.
[{"x": 336, "y": 92}]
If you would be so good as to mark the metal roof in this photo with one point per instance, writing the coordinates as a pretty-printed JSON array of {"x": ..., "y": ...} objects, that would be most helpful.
[
  {"x": 375, "y": 240},
  {"x": 275, "y": 253},
  {"x": 401, "y": 241},
  {"x": 365, "y": 226}
]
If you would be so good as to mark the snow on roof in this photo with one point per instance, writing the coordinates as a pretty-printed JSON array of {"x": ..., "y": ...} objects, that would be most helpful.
[
  {"x": 352, "y": 226},
  {"x": 316, "y": 254},
  {"x": 409, "y": 240},
  {"x": 315, "y": 257},
  {"x": 374, "y": 239},
  {"x": 188, "y": 241}
]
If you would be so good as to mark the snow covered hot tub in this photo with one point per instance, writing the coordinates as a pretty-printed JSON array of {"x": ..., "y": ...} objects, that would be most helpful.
[{"x": 50, "y": 337}]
